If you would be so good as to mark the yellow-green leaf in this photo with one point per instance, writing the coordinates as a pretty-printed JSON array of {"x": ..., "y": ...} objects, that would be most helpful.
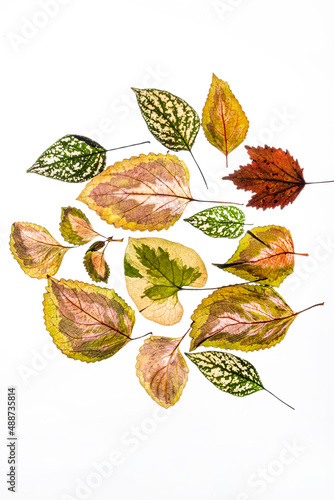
[
  {"x": 224, "y": 122},
  {"x": 37, "y": 252},
  {"x": 143, "y": 193},
  {"x": 155, "y": 271},
  {"x": 241, "y": 317},
  {"x": 95, "y": 263},
  {"x": 86, "y": 322},
  {"x": 162, "y": 369},
  {"x": 75, "y": 227},
  {"x": 263, "y": 253}
]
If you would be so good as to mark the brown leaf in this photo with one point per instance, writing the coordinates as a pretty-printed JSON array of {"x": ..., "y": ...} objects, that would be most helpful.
[
  {"x": 162, "y": 369},
  {"x": 274, "y": 176}
]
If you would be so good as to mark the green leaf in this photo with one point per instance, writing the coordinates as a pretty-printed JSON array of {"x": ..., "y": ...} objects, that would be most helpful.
[
  {"x": 219, "y": 222},
  {"x": 73, "y": 158},
  {"x": 169, "y": 118},
  {"x": 228, "y": 372},
  {"x": 155, "y": 271},
  {"x": 95, "y": 263},
  {"x": 75, "y": 227}
]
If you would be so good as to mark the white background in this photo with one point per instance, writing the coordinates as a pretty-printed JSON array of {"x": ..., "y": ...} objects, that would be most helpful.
[{"x": 72, "y": 74}]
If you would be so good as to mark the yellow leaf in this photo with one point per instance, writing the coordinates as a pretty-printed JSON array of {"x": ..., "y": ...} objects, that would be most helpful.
[
  {"x": 224, "y": 122},
  {"x": 37, "y": 252},
  {"x": 162, "y": 369},
  {"x": 143, "y": 193}
]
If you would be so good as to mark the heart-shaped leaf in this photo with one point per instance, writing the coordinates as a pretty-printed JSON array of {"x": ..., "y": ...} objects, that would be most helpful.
[
  {"x": 228, "y": 372},
  {"x": 86, "y": 322},
  {"x": 219, "y": 222},
  {"x": 37, "y": 252},
  {"x": 274, "y": 176},
  {"x": 224, "y": 122},
  {"x": 75, "y": 227},
  {"x": 73, "y": 158},
  {"x": 95, "y": 264},
  {"x": 263, "y": 253},
  {"x": 145, "y": 193},
  {"x": 162, "y": 369},
  {"x": 155, "y": 271},
  {"x": 241, "y": 317},
  {"x": 169, "y": 118}
]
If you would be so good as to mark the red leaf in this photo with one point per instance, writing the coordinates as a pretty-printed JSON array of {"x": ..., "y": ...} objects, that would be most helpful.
[{"x": 274, "y": 176}]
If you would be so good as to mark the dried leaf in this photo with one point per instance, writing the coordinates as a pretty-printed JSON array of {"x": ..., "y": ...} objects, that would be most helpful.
[
  {"x": 162, "y": 369},
  {"x": 274, "y": 176},
  {"x": 86, "y": 322},
  {"x": 37, "y": 252},
  {"x": 219, "y": 222},
  {"x": 95, "y": 263},
  {"x": 224, "y": 122},
  {"x": 75, "y": 227},
  {"x": 228, "y": 372},
  {"x": 169, "y": 118},
  {"x": 155, "y": 271},
  {"x": 263, "y": 253},
  {"x": 73, "y": 158},
  {"x": 241, "y": 317},
  {"x": 143, "y": 193}
]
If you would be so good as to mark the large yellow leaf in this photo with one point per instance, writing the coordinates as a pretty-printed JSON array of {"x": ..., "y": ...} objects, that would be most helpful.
[
  {"x": 145, "y": 193},
  {"x": 224, "y": 122},
  {"x": 162, "y": 369},
  {"x": 155, "y": 271},
  {"x": 37, "y": 252}
]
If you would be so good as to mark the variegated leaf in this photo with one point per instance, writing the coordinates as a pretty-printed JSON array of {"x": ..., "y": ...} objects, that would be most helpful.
[
  {"x": 219, "y": 222},
  {"x": 75, "y": 227}
]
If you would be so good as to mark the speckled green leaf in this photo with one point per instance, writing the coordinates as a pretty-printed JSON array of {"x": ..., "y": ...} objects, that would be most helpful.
[
  {"x": 219, "y": 222},
  {"x": 73, "y": 158},
  {"x": 228, "y": 372},
  {"x": 169, "y": 118},
  {"x": 95, "y": 263}
]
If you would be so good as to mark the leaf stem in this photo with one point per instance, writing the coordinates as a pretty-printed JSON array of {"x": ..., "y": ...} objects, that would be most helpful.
[
  {"x": 199, "y": 168},
  {"x": 141, "y": 336},
  {"x": 319, "y": 182},
  {"x": 214, "y": 201},
  {"x": 279, "y": 399},
  {"x": 311, "y": 307},
  {"x": 129, "y": 146}
]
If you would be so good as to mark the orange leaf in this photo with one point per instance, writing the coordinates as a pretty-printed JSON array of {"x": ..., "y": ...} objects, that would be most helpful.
[{"x": 274, "y": 176}]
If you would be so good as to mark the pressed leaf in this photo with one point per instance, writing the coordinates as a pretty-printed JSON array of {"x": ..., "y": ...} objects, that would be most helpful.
[
  {"x": 162, "y": 369},
  {"x": 219, "y": 222},
  {"x": 95, "y": 263},
  {"x": 73, "y": 158},
  {"x": 37, "y": 252},
  {"x": 241, "y": 317},
  {"x": 86, "y": 322},
  {"x": 169, "y": 118},
  {"x": 273, "y": 175},
  {"x": 228, "y": 372},
  {"x": 75, "y": 227},
  {"x": 224, "y": 122},
  {"x": 155, "y": 271},
  {"x": 143, "y": 193},
  {"x": 263, "y": 253}
]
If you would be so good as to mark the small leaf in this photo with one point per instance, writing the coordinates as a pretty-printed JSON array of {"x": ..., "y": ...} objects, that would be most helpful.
[
  {"x": 169, "y": 118},
  {"x": 86, "y": 322},
  {"x": 155, "y": 271},
  {"x": 263, "y": 253},
  {"x": 219, "y": 222},
  {"x": 37, "y": 252},
  {"x": 162, "y": 369},
  {"x": 241, "y": 317},
  {"x": 73, "y": 158},
  {"x": 75, "y": 227},
  {"x": 145, "y": 193},
  {"x": 95, "y": 264},
  {"x": 224, "y": 122},
  {"x": 274, "y": 176},
  {"x": 228, "y": 372}
]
